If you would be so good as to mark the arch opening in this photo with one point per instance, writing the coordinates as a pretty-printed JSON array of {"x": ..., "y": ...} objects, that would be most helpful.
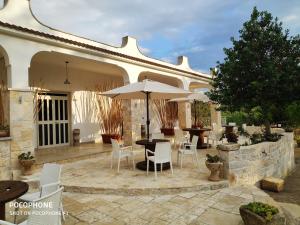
[{"x": 74, "y": 105}]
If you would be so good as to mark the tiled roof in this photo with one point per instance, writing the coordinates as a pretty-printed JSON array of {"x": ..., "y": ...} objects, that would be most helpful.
[{"x": 92, "y": 47}]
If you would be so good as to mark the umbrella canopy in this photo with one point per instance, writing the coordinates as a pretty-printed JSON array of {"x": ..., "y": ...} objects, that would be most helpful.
[
  {"x": 138, "y": 90},
  {"x": 200, "y": 96},
  {"x": 147, "y": 89}
]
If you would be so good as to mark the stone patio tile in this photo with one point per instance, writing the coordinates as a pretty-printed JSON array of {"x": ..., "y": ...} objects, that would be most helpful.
[
  {"x": 197, "y": 211},
  {"x": 217, "y": 217},
  {"x": 91, "y": 216},
  {"x": 247, "y": 196},
  {"x": 170, "y": 216},
  {"x": 157, "y": 221},
  {"x": 188, "y": 194},
  {"x": 134, "y": 221},
  {"x": 76, "y": 208},
  {"x": 188, "y": 218},
  {"x": 146, "y": 199}
]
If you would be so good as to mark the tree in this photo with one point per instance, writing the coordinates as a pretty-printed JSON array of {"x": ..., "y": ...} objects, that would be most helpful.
[{"x": 261, "y": 69}]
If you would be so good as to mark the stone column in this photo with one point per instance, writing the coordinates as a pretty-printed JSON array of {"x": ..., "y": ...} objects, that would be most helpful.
[
  {"x": 132, "y": 120},
  {"x": 21, "y": 124},
  {"x": 184, "y": 114}
]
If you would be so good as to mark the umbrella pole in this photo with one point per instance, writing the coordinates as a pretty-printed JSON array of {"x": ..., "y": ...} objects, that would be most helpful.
[
  {"x": 195, "y": 116},
  {"x": 147, "y": 107}
]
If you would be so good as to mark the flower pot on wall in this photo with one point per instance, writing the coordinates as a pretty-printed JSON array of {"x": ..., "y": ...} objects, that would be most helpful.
[
  {"x": 167, "y": 131},
  {"x": 214, "y": 170},
  {"x": 106, "y": 138},
  {"x": 3, "y": 133},
  {"x": 250, "y": 218},
  {"x": 27, "y": 166}
]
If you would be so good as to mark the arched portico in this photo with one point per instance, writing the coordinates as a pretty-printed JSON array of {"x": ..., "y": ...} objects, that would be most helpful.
[{"x": 75, "y": 103}]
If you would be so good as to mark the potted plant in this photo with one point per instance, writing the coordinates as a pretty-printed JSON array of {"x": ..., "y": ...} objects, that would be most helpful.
[
  {"x": 110, "y": 115},
  {"x": 297, "y": 138},
  {"x": 214, "y": 164},
  {"x": 4, "y": 131},
  {"x": 26, "y": 160},
  {"x": 258, "y": 213},
  {"x": 167, "y": 114}
]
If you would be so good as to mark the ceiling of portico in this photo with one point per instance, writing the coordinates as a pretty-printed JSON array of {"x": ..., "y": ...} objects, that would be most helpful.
[
  {"x": 160, "y": 78},
  {"x": 199, "y": 85},
  {"x": 48, "y": 69}
]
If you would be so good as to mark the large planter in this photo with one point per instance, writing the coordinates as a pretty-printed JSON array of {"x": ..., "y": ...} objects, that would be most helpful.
[
  {"x": 167, "y": 131},
  {"x": 214, "y": 170},
  {"x": 3, "y": 133},
  {"x": 27, "y": 166},
  {"x": 106, "y": 138},
  {"x": 251, "y": 218}
]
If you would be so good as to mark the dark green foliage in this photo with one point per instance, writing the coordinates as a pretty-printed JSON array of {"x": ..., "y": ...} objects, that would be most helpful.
[
  {"x": 258, "y": 138},
  {"x": 212, "y": 159},
  {"x": 202, "y": 113},
  {"x": 293, "y": 114},
  {"x": 232, "y": 137},
  {"x": 264, "y": 210},
  {"x": 26, "y": 156},
  {"x": 260, "y": 70}
]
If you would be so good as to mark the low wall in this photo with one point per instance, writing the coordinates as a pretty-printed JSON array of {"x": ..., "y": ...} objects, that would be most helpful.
[
  {"x": 250, "y": 164},
  {"x": 5, "y": 161}
]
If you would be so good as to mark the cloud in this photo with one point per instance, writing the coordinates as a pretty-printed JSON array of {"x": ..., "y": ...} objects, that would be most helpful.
[{"x": 199, "y": 29}]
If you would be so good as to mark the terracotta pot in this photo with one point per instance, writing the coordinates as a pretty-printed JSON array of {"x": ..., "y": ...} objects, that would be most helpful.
[
  {"x": 3, "y": 133},
  {"x": 167, "y": 131},
  {"x": 214, "y": 170},
  {"x": 250, "y": 218},
  {"x": 27, "y": 165},
  {"x": 106, "y": 138}
]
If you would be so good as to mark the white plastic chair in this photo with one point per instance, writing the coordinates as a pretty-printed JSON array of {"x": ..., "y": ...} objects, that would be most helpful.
[
  {"x": 188, "y": 149},
  {"x": 120, "y": 152},
  {"x": 162, "y": 154},
  {"x": 157, "y": 136},
  {"x": 49, "y": 182},
  {"x": 215, "y": 136},
  {"x": 45, "y": 210}
]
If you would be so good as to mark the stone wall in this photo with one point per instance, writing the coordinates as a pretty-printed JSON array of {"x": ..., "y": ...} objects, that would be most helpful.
[
  {"x": 21, "y": 125},
  {"x": 250, "y": 164},
  {"x": 5, "y": 166}
]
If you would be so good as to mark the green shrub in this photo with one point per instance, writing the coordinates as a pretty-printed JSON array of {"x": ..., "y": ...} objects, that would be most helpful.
[
  {"x": 26, "y": 156},
  {"x": 264, "y": 210},
  {"x": 212, "y": 159}
]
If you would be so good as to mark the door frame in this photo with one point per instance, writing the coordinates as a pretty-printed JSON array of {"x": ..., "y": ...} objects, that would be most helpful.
[{"x": 69, "y": 121}]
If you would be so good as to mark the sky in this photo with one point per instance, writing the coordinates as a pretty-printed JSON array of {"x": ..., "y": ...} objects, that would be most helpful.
[{"x": 165, "y": 29}]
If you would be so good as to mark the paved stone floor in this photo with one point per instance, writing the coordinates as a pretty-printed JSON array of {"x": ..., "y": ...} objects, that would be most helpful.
[
  {"x": 291, "y": 193},
  {"x": 219, "y": 207},
  {"x": 96, "y": 176}
]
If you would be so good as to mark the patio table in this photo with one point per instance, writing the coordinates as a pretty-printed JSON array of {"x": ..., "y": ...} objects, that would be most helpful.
[
  {"x": 151, "y": 146},
  {"x": 10, "y": 190},
  {"x": 200, "y": 133}
]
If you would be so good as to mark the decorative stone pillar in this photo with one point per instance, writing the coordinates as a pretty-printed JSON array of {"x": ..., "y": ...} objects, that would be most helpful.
[
  {"x": 5, "y": 165},
  {"x": 132, "y": 120},
  {"x": 21, "y": 124},
  {"x": 227, "y": 154},
  {"x": 184, "y": 114}
]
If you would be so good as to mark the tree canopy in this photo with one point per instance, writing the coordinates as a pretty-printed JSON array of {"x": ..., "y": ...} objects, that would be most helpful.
[{"x": 261, "y": 69}]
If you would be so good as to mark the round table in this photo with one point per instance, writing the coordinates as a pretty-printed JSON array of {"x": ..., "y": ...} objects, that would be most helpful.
[
  {"x": 200, "y": 133},
  {"x": 10, "y": 190},
  {"x": 151, "y": 146}
]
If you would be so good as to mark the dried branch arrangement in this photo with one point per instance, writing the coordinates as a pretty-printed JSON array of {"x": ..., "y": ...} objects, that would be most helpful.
[
  {"x": 37, "y": 91},
  {"x": 3, "y": 92},
  {"x": 166, "y": 112},
  {"x": 110, "y": 111}
]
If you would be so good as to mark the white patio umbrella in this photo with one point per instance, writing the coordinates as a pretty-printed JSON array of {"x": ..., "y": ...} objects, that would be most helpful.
[
  {"x": 147, "y": 89},
  {"x": 199, "y": 96}
]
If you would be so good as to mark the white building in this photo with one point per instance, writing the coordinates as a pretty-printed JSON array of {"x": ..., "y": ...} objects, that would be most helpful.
[{"x": 33, "y": 56}]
